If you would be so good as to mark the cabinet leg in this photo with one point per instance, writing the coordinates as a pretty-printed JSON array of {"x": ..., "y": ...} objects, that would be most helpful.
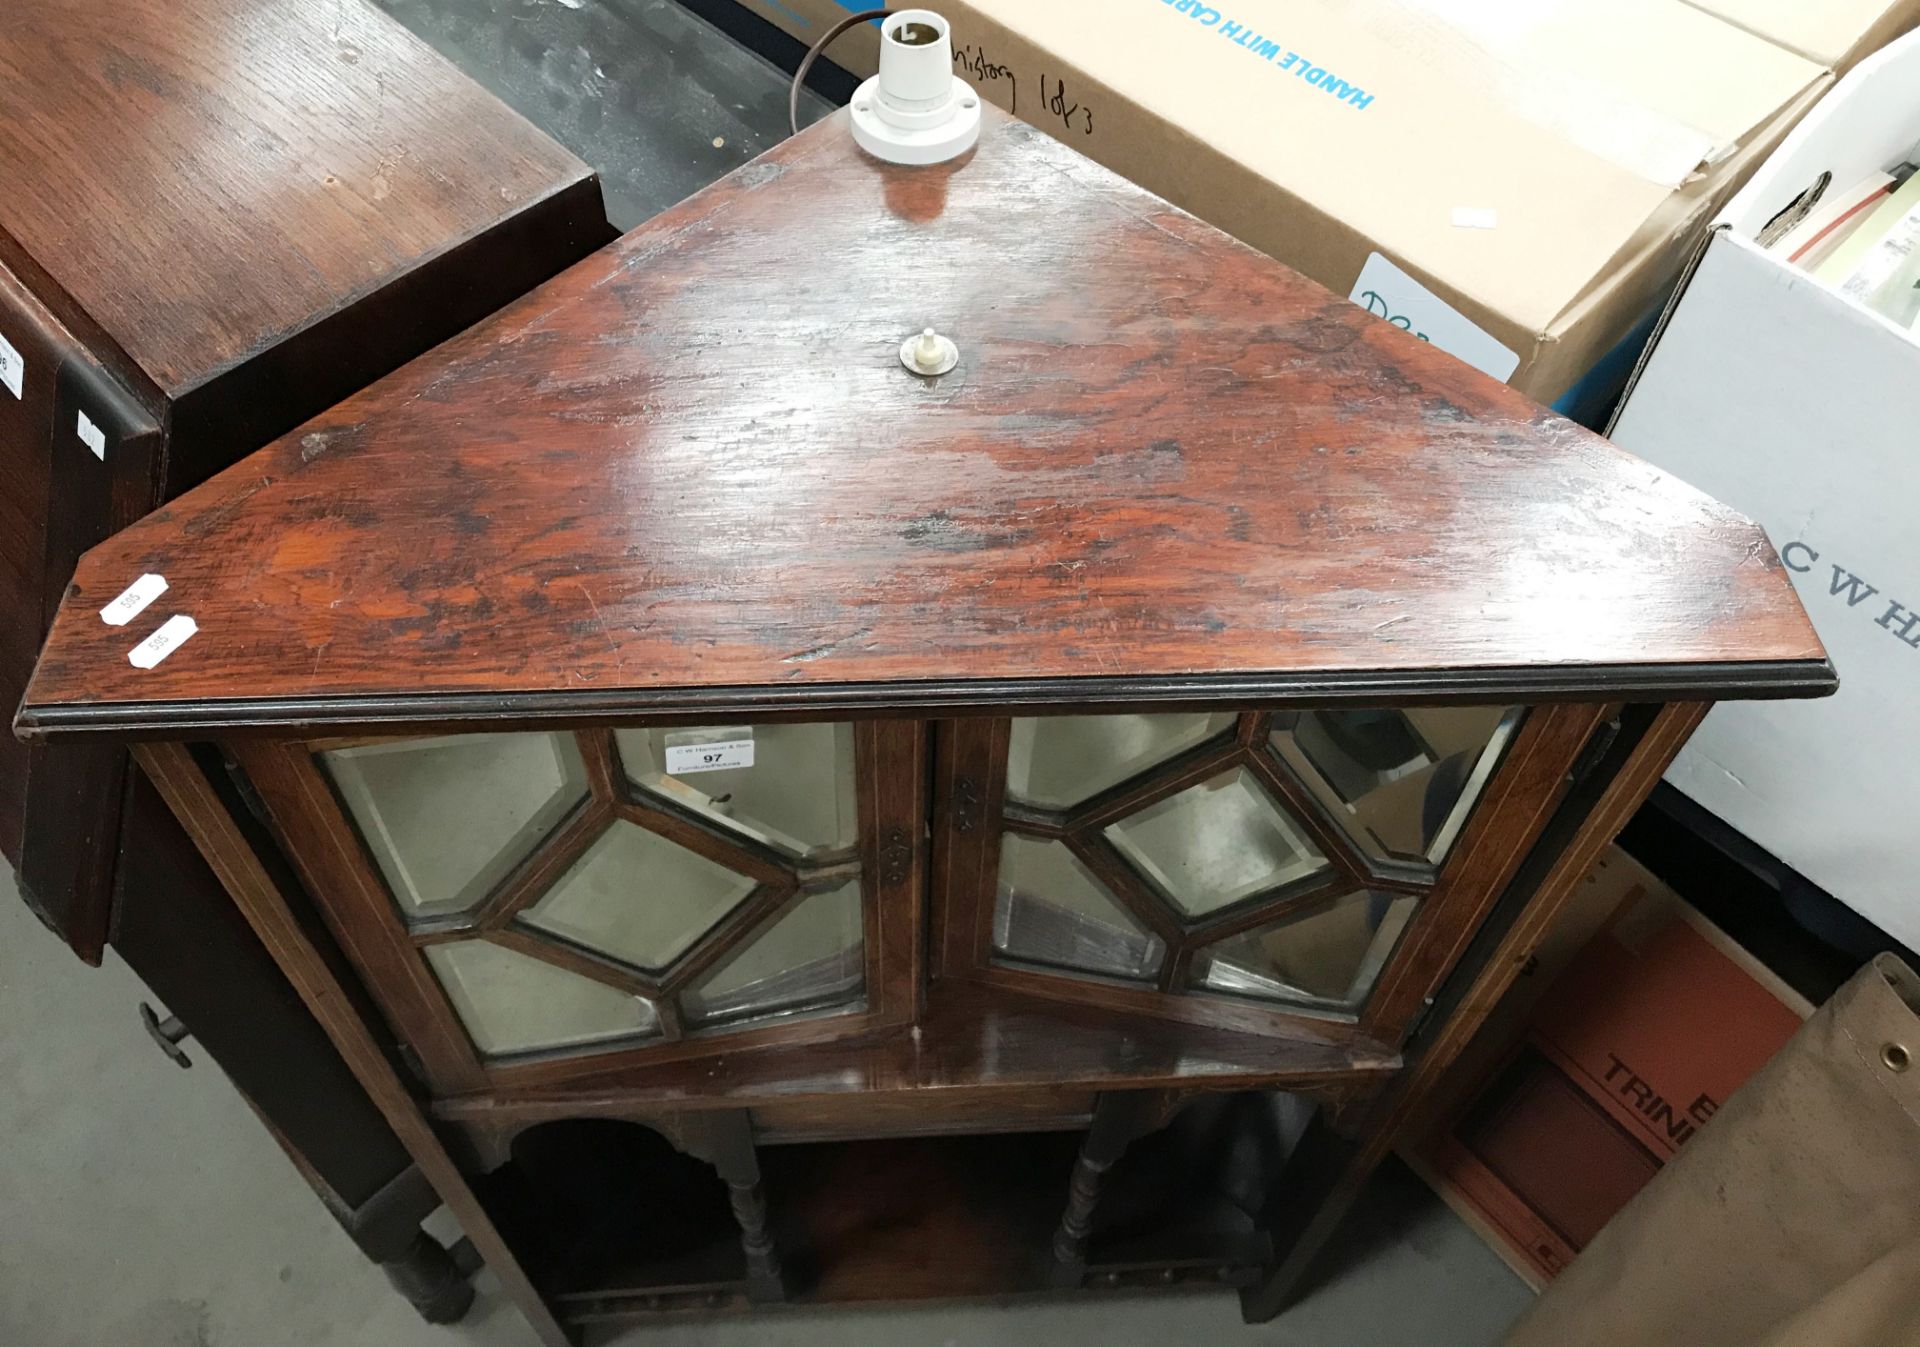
[
  {"x": 725, "y": 1141},
  {"x": 1076, "y": 1223},
  {"x": 1118, "y": 1121},
  {"x": 433, "y": 1278},
  {"x": 427, "y": 1275},
  {"x": 765, "y": 1280},
  {"x": 1315, "y": 1190}
]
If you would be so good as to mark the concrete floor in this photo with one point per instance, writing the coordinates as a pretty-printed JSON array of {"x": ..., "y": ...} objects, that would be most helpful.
[{"x": 143, "y": 1206}]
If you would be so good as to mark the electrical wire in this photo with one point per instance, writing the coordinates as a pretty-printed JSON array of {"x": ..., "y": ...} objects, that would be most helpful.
[{"x": 813, "y": 54}]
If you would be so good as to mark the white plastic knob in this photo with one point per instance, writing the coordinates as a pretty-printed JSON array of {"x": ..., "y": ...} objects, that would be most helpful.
[
  {"x": 929, "y": 353},
  {"x": 916, "y": 110}
]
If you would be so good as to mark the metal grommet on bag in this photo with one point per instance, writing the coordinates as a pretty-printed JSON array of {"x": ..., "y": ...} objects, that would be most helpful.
[{"x": 1895, "y": 1057}]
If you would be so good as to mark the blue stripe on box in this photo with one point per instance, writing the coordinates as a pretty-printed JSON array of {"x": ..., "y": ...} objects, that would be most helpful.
[{"x": 794, "y": 15}]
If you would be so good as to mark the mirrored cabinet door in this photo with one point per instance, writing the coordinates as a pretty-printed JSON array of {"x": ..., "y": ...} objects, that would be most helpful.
[
  {"x": 447, "y": 819},
  {"x": 1261, "y": 864},
  {"x": 529, "y": 899}
]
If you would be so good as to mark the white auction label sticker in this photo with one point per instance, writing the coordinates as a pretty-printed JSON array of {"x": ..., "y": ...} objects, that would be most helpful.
[
  {"x": 92, "y": 436},
  {"x": 713, "y": 756},
  {"x": 1475, "y": 217},
  {"x": 172, "y": 635},
  {"x": 13, "y": 368},
  {"x": 133, "y": 600},
  {"x": 1384, "y": 289}
]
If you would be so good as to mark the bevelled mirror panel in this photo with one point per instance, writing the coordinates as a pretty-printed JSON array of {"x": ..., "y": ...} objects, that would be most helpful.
[
  {"x": 1057, "y": 762},
  {"x": 447, "y": 819},
  {"x": 1216, "y": 844},
  {"x": 637, "y": 897},
  {"x": 1051, "y": 909},
  {"x": 514, "y": 1003},
  {"x": 1399, "y": 782},
  {"x": 790, "y": 787},
  {"x": 1326, "y": 958},
  {"x": 810, "y": 958}
]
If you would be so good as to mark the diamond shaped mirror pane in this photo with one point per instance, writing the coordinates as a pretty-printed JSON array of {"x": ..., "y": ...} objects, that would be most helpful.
[
  {"x": 1328, "y": 958},
  {"x": 636, "y": 897},
  {"x": 447, "y": 819},
  {"x": 1051, "y": 909},
  {"x": 810, "y": 958},
  {"x": 1400, "y": 783},
  {"x": 511, "y": 1002},
  {"x": 1216, "y": 843},
  {"x": 797, "y": 796},
  {"x": 1056, "y": 762}
]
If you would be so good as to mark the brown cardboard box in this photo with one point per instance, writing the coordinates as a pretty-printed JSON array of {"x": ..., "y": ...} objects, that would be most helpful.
[
  {"x": 1836, "y": 33},
  {"x": 1517, "y": 181}
]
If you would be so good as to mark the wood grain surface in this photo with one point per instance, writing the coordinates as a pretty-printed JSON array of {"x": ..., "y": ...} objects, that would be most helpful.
[
  {"x": 199, "y": 178},
  {"x": 692, "y": 471}
]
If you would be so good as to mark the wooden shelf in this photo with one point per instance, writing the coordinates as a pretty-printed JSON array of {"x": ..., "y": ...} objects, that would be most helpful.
[
  {"x": 927, "y": 1219},
  {"x": 972, "y": 1047},
  {"x": 605, "y": 1210},
  {"x": 899, "y": 1218},
  {"x": 924, "y": 1219}
]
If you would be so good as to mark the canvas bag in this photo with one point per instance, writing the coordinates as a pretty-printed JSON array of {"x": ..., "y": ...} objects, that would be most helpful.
[{"x": 1793, "y": 1220}]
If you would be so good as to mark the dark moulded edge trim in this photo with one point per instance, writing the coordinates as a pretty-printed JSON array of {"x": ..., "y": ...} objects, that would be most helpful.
[{"x": 1732, "y": 680}]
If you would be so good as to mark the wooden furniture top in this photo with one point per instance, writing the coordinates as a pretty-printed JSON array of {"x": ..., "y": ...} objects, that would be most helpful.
[
  {"x": 692, "y": 473},
  {"x": 196, "y": 179}
]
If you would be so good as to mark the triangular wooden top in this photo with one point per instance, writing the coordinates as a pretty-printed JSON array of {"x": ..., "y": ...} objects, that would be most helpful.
[{"x": 1166, "y": 467}]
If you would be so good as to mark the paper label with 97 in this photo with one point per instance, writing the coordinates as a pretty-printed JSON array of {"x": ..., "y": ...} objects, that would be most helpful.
[{"x": 684, "y": 759}]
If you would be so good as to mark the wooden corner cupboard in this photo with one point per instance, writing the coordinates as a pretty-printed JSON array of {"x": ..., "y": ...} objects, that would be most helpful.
[{"x": 809, "y": 832}]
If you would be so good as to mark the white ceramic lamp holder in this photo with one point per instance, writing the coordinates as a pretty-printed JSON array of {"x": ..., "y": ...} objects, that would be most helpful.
[{"x": 916, "y": 110}]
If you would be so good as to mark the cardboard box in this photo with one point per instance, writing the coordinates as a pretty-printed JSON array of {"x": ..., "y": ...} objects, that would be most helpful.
[
  {"x": 1616, "y": 1057},
  {"x": 1802, "y": 409},
  {"x": 1839, "y": 34},
  {"x": 1517, "y": 181}
]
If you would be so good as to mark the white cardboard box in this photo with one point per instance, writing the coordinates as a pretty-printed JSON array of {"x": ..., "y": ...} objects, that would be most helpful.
[{"x": 1800, "y": 408}]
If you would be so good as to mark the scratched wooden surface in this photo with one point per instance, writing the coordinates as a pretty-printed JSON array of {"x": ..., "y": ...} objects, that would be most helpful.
[
  {"x": 202, "y": 177},
  {"x": 693, "y": 463}
]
